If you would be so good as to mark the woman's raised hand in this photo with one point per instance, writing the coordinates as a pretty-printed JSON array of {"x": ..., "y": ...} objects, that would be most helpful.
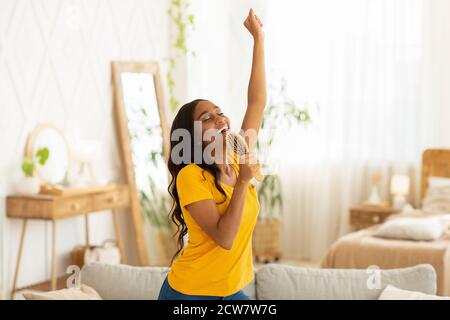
[
  {"x": 254, "y": 25},
  {"x": 248, "y": 167}
]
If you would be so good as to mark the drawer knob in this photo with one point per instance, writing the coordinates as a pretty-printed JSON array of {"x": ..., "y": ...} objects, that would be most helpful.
[
  {"x": 76, "y": 206},
  {"x": 113, "y": 199},
  {"x": 376, "y": 219}
]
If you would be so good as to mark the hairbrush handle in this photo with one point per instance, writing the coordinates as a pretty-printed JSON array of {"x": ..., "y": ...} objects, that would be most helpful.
[
  {"x": 259, "y": 177},
  {"x": 240, "y": 147}
]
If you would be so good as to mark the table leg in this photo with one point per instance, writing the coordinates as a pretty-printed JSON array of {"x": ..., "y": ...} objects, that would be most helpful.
[
  {"x": 53, "y": 272},
  {"x": 19, "y": 256},
  {"x": 117, "y": 233},
  {"x": 86, "y": 230}
]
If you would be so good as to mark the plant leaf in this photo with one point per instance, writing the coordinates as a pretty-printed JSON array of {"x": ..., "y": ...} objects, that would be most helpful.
[{"x": 42, "y": 154}]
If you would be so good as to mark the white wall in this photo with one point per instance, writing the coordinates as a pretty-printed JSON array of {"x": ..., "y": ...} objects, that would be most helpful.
[
  {"x": 221, "y": 68},
  {"x": 54, "y": 67}
]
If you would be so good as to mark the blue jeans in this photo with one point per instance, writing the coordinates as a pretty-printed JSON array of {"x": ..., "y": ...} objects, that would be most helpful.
[{"x": 168, "y": 293}]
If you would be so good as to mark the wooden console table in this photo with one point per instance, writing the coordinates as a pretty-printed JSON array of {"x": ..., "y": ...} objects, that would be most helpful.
[{"x": 56, "y": 207}]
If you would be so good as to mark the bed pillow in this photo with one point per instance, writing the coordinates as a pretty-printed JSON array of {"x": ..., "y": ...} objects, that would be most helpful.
[
  {"x": 393, "y": 293},
  {"x": 437, "y": 200},
  {"x": 434, "y": 181},
  {"x": 419, "y": 229}
]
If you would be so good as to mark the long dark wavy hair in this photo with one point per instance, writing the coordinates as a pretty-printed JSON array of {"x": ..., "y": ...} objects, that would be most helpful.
[{"x": 184, "y": 120}]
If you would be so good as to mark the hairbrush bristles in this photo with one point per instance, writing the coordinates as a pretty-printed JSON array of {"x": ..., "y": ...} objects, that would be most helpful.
[{"x": 236, "y": 145}]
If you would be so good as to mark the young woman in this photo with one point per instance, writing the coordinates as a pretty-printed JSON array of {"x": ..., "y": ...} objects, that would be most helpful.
[{"x": 215, "y": 204}]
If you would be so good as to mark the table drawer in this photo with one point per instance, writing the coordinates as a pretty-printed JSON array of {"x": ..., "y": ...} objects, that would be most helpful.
[
  {"x": 72, "y": 206},
  {"x": 363, "y": 217},
  {"x": 111, "y": 200},
  {"x": 30, "y": 209},
  {"x": 368, "y": 217}
]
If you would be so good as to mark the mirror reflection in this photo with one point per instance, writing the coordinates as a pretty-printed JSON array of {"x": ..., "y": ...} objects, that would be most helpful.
[
  {"x": 146, "y": 137},
  {"x": 49, "y": 146}
]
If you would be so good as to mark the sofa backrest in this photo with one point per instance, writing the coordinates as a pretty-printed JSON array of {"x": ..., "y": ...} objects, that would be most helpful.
[
  {"x": 272, "y": 281},
  {"x": 123, "y": 282}
]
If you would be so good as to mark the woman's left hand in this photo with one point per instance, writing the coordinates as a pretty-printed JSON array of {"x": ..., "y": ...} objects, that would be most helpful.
[{"x": 254, "y": 25}]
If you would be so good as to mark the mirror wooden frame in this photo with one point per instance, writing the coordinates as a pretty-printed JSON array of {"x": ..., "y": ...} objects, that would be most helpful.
[{"x": 149, "y": 67}]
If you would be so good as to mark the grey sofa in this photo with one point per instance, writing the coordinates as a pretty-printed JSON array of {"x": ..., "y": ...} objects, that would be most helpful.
[{"x": 272, "y": 282}]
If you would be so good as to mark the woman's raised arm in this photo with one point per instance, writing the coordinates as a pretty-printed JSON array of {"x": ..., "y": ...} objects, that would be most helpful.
[{"x": 256, "y": 96}]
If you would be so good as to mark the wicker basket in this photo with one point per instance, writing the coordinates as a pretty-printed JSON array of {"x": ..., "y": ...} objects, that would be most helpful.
[
  {"x": 78, "y": 254},
  {"x": 166, "y": 246},
  {"x": 266, "y": 240}
]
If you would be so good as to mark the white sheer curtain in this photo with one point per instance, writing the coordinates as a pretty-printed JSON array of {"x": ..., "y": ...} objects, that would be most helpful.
[
  {"x": 437, "y": 68},
  {"x": 360, "y": 61}
]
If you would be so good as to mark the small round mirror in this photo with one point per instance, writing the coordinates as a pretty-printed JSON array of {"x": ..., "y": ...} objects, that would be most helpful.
[{"x": 50, "y": 152}]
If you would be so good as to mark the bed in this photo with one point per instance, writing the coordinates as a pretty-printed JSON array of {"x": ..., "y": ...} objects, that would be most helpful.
[{"x": 361, "y": 249}]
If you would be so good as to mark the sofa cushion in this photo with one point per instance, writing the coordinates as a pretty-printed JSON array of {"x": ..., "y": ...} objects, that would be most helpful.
[
  {"x": 122, "y": 282},
  {"x": 250, "y": 289},
  {"x": 138, "y": 283},
  {"x": 293, "y": 283}
]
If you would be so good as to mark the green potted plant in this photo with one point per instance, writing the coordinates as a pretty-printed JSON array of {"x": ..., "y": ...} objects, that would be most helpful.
[
  {"x": 155, "y": 205},
  {"x": 281, "y": 112},
  {"x": 30, "y": 183},
  {"x": 154, "y": 199}
]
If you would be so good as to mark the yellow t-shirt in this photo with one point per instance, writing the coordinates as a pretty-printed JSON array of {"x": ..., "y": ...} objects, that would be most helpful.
[{"x": 203, "y": 267}]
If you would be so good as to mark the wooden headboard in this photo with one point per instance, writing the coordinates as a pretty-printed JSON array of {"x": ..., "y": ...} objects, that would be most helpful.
[{"x": 435, "y": 162}]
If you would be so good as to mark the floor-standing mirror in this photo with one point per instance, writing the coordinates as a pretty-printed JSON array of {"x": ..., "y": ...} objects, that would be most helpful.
[{"x": 144, "y": 145}]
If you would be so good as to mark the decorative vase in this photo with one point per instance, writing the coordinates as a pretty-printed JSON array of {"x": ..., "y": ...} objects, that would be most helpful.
[
  {"x": 28, "y": 185},
  {"x": 374, "y": 197}
]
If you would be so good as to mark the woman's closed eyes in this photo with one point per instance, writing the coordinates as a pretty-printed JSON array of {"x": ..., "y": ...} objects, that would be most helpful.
[{"x": 208, "y": 117}]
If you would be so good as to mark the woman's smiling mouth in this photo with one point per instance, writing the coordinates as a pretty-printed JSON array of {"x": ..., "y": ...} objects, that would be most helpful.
[{"x": 223, "y": 129}]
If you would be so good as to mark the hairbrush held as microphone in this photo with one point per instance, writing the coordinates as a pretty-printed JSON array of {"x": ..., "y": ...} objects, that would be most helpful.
[{"x": 239, "y": 146}]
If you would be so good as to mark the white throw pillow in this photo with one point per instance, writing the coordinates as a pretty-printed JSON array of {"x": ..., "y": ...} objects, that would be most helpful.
[
  {"x": 82, "y": 293},
  {"x": 438, "y": 181},
  {"x": 437, "y": 200},
  {"x": 393, "y": 293},
  {"x": 411, "y": 229}
]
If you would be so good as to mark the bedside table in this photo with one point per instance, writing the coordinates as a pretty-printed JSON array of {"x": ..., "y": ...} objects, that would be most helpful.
[{"x": 364, "y": 216}]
